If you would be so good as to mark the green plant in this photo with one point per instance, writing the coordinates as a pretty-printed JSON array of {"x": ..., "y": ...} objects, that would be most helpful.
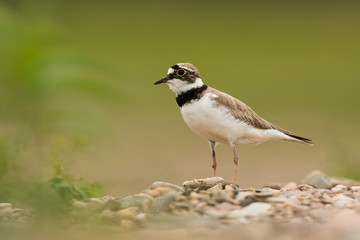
[{"x": 69, "y": 188}]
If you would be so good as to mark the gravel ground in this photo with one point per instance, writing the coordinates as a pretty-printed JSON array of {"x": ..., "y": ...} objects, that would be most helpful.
[{"x": 319, "y": 207}]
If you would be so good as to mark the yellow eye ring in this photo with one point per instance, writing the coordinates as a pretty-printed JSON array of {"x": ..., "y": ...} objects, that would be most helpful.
[{"x": 181, "y": 72}]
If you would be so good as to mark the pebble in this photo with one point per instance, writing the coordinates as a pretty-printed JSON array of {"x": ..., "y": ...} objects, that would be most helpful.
[
  {"x": 268, "y": 192},
  {"x": 317, "y": 179},
  {"x": 242, "y": 195},
  {"x": 204, "y": 183},
  {"x": 212, "y": 202},
  {"x": 305, "y": 187},
  {"x": 291, "y": 186},
  {"x": 5, "y": 205},
  {"x": 342, "y": 200},
  {"x": 339, "y": 189},
  {"x": 355, "y": 188},
  {"x": 165, "y": 185},
  {"x": 162, "y": 203},
  {"x": 128, "y": 213},
  {"x": 130, "y": 201},
  {"x": 152, "y": 193}
]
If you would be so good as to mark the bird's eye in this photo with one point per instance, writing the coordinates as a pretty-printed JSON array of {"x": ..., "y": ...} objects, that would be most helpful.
[{"x": 181, "y": 72}]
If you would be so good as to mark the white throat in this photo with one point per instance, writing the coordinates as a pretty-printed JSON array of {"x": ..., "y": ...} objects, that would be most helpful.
[{"x": 178, "y": 86}]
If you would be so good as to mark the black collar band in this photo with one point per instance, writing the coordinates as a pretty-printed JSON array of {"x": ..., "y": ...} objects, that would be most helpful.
[{"x": 190, "y": 95}]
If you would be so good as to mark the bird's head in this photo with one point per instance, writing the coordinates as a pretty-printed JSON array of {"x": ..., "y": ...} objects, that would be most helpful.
[{"x": 182, "y": 77}]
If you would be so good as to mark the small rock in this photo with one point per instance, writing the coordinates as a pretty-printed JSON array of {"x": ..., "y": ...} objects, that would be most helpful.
[
  {"x": 242, "y": 195},
  {"x": 5, "y": 205},
  {"x": 254, "y": 209},
  {"x": 317, "y": 179},
  {"x": 130, "y": 201},
  {"x": 232, "y": 187},
  {"x": 248, "y": 200},
  {"x": 162, "y": 203},
  {"x": 268, "y": 192},
  {"x": 152, "y": 193},
  {"x": 355, "y": 188},
  {"x": 163, "y": 190},
  {"x": 215, "y": 189},
  {"x": 166, "y": 185},
  {"x": 128, "y": 213},
  {"x": 203, "y": 184},
  {"x": 276, "y": 186},
  {"x": 305, "y": 187},
  {"x": 291, "y": 186},
  {"x": 339, "y": 189},
  {"x": 341, "y": 200}
]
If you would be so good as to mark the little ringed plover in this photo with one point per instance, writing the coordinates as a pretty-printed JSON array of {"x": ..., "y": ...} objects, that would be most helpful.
[{"x": 219, "y": 117}]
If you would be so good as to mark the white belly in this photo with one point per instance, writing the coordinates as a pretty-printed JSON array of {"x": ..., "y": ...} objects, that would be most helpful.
[{"x": 217, "y": 124}]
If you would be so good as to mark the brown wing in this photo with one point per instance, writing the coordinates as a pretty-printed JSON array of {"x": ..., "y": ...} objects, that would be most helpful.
[
  {"x": 244, "y": 113},
  {"x": 240, "y": 110}
]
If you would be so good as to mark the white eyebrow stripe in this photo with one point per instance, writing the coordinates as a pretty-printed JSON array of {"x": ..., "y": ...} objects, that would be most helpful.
[
  {"x": 186, "y": 68},
  {"x": 170, "y": 71}
]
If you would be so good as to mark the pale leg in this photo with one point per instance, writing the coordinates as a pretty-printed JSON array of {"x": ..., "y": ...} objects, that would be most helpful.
[
  {"x": 236, "y": 161},
  {"x": 212, "y": 146}
]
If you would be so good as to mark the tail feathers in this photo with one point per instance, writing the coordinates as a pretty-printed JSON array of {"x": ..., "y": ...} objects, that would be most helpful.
[
  {"x": 293, "y": 137},
  {"x": 299, "y": 139}
]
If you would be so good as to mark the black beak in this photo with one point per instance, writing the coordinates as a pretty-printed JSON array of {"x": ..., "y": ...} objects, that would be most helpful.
[{"x": 163, "y": 80}]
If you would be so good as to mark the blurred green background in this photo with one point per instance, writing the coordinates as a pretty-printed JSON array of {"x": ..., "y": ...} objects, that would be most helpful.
[{"x": 76, "y": 89}]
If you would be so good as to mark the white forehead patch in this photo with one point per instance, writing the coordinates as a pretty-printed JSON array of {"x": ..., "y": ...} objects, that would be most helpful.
[{"x": 170, "y": 71}]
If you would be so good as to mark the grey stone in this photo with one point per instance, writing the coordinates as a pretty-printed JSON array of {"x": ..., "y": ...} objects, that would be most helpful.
[
  {"x": 130, "y": 201},
  {"x": 162, "y": 203},
  {"x": 317, "y": 179}
]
